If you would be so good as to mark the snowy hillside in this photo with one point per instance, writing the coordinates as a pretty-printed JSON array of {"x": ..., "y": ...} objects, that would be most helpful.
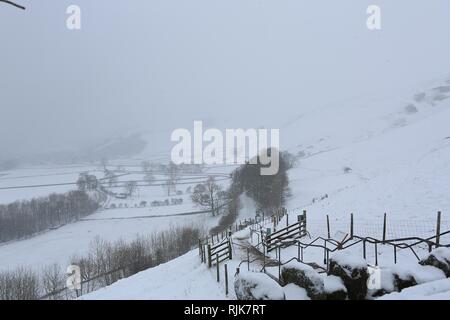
[{"x": 388, "y": 155}]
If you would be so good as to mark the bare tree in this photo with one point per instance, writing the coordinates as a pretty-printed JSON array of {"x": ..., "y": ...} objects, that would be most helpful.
[
  {"x": 146, "y": 166},
  {"x": 172, "y": 173},
  {"x": 149, "y": 178},
  {"x": 87, "y": 181},
  {"x": 111, "y": 178},
  {"x": 210, "y": 195},
  {"x": 130, "y": 187},
  {"x": 104, "y": 164},
  {"x": 52, "y": 280}
]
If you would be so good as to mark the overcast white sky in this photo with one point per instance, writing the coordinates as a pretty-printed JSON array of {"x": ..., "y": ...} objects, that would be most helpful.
[{"x": 159, "y": 64}]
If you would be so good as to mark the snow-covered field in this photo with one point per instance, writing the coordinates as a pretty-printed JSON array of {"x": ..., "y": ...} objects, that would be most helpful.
[
  {"x": 126, "y": 221},
  {"x": 32, "y": 178}
]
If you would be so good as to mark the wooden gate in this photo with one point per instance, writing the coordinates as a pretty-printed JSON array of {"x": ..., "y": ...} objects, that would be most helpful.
[
  {"x": 219, "y": 252},
  {"x": 290, "y": 232}
]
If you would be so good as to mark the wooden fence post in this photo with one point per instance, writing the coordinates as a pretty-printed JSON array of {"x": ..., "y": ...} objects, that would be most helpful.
[
  {"x": 248, "y": 259},
  {"x": 287, "y": 220},
  {"x": 384, "y": 228},
  {"x": 209, "y": 256},
  {"x": 438, "y": 229},
  {"x": 279, "y": 264},
  {"x": 217, "y": 267},
  {"x": 226, "y": 279},
  {"x": 395, "y": 254},
  {"x": 351, "y": 226},
  {"x": 200, "y": 249},
  {"x": 328, "y": 227},
  {"x": 264, "y": 260},
  {"x": 230, "y": 250},
  {"x": 364, "y": 249},
  {"x": 304, "y": 218},
  {"x": 376, "y": 254}
]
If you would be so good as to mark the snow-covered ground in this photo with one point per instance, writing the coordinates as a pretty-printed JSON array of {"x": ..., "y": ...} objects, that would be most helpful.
[
  {"x": 182, "y": 278},
  {"x": 126, "y": 221},
  {"x": 389, "y": 155},
  {"x": 32, "y": 178},
  {"x": 374, "y": 157}
]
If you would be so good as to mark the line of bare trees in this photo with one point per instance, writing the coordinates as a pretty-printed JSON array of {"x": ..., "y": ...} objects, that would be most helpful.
[
  {"x": 105, "y": 263},
  {"x": 27, "y": 217}
]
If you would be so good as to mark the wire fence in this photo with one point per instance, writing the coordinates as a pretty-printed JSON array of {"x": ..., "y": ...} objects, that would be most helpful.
[{"x": 395, "y": 228}]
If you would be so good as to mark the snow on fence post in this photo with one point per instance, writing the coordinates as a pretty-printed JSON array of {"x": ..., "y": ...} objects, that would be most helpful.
[
  {"x": 217, "y": 267},
  {"x": 438, "y": 229},
  {"x": 226, "y": 279},
  {"x": 384, "y": 228},
  {"x": 328, "y": 227},
  {"x": 209, "y": 256}
]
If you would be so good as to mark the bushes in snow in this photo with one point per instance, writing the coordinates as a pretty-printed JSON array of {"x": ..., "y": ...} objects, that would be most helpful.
[
  {"x": 353, "y": 271},
  {"x": 334, "y": 288},
  {"x": 24, "y": 218},
  {"x": 21, "y": 284},
  {"x": 318, "y": 287},
  {"x": 257, "y": 286},
  {"x": 305, "y": 277},
  {"x": 439, "y": 258},
  {"x": 108, "y": 262}
]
